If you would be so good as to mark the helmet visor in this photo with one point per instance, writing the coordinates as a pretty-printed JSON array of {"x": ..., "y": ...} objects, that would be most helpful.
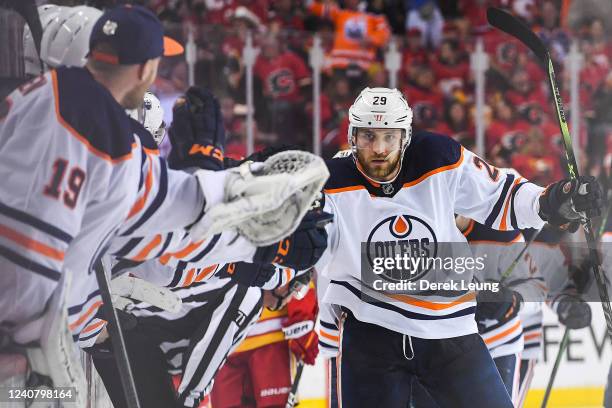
[{"x": 383, "y": 140}]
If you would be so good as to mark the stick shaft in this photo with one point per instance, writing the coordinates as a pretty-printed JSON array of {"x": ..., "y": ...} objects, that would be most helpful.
[
  {"x": 116, "y": 335},
  {"x": 553, "y": 374}
]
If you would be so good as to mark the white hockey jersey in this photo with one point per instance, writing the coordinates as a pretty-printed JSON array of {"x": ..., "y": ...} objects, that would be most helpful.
[
  {"x": 438, "y": 179},
  {"x": 501, "y": 249},
  {"x": 73, "y": 176}
]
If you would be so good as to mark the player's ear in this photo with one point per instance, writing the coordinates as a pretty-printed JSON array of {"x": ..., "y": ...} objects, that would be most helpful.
[{"x": 148, "y": 70}]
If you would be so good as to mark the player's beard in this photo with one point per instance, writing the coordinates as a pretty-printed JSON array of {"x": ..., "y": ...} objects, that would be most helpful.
[{"x": 382, "y": 172}]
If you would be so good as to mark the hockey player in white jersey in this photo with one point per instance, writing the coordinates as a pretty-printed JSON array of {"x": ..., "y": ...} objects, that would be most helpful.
[
  {"x": 219, "y": 302},
  {"x": 67, "y": 191},
  {"x": 398, "y": 192}
]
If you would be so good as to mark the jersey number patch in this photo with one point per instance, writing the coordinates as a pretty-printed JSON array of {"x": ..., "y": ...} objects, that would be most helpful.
[
  {"x": 71, "y": 192},
  {"x": 492, "y": 171}
]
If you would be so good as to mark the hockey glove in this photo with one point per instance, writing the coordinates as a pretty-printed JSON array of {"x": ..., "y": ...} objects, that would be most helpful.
[
  {"x": 499, "y": 306},
  {"x": 249, "y": 274},
  {"x": 573, "y": 312},
  {"x": 197, "y": 133},
  {"x": 299, "y": 327},
  {"x": 566, "y": 202},
  {"x": 302, "y": 249}
]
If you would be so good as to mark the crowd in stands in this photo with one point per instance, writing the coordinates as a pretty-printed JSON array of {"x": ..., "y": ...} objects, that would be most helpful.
[{"x": 435, "y": 38}]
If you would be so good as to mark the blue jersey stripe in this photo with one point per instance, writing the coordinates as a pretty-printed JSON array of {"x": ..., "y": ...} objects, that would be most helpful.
[
  {"x": 500, "y": 201},
  {"x": 32, "y": 221},
  {"x": 29, "y": 264}
]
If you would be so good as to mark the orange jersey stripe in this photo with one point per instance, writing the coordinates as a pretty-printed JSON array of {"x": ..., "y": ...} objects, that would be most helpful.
[
  {"x": 205, "y": 272},
  {"x": 329, "y": 336},
  {"x": 506, "y": 332},
  {"x": 32, "y": 244},
  {"x": 92, "y": 309},
  {"x": 432, "y": 305},
  {"x": 140, "y": 203},
  {"x": 180, "y": 253},
  {"x": 93, "y": 326},
  {"x": 142, "y": 255},
  {"x": 532, "y": 336},
  {"x": 189, "y": 278}
]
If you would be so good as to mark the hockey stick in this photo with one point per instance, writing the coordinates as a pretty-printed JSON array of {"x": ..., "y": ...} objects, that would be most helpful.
[
  {"x": 553, "y": 374},
  {"x": 292, "y": 398},
  {"x": 116, "y": 335},
  {"x": 511, "y": 25},
  {"x": 565, "y": 339}
]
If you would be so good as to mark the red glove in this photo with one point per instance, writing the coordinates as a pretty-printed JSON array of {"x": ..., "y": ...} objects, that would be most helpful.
[{"x": 299, "y": 327}]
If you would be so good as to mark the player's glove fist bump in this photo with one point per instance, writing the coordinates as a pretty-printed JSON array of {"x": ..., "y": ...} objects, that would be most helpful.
[
  {"x": 568, "y": 201},
  {"x": 197, "y": 133},
  {"x": 302, "y": 249}
]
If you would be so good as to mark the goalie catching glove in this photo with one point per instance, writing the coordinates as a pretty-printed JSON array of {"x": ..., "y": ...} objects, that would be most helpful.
[
  {"x": 566, "y": 202},
  {"x": 263, "y": 202}
]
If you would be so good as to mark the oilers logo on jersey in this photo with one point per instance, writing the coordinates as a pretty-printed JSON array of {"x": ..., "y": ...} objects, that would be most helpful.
[{"x": 402, "y": 236}]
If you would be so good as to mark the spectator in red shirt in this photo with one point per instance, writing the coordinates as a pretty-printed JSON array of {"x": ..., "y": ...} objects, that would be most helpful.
[
  {"x": 505, "y": 132},
  {"x": 285, "y": 80},
  {"x": 413, "y": 54},
  {"x": 456, "y": 123},
  {"x": 450, "y": 68},
  {"x": 285, "y": 16},
  {"x": 424, "y": 98},
  {"x": 524, "y": 91},
  {"x": 534, "y": 161}
]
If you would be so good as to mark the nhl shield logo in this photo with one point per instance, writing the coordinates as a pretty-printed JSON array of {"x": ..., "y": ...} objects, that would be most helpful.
[
  {"x": 109, "y": 28},
  {"x": 388, "y": 188}
]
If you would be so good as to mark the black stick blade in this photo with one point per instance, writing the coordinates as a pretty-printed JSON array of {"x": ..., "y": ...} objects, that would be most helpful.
[{"x": 511, "y": 25}]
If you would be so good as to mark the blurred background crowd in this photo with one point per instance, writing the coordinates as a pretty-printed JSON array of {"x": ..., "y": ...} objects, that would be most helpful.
[{"x": 436, "y": 43}]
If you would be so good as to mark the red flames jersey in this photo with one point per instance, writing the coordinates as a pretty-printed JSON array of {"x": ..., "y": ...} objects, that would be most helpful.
[{"x": 280, "y": 75}]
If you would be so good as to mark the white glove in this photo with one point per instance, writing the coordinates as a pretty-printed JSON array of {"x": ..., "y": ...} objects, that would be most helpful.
[
  {"x": 126, "y": 286},
  {"x": 264, "y": 202}
]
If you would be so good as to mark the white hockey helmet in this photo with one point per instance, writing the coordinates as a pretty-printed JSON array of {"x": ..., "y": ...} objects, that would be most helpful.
[
  {"x": 151, "y": 116},
  {"x": 65, "y": 40},
  {"x": 47, "y": 13},
  {"x": 380, "y": 108}
]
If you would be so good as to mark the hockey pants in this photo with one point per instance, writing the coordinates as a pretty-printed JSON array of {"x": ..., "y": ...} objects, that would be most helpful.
[{"x": 377, "y": 367}]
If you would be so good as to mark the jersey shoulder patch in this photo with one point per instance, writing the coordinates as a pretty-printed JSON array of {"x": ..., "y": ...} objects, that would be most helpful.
[{"x": 91, "y": 114}]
